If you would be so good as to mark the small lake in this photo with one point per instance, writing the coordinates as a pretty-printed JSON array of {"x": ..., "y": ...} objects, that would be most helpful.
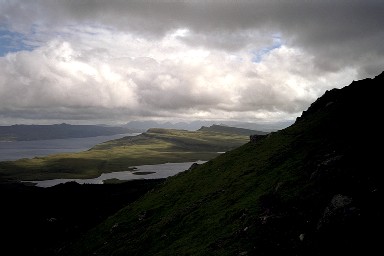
[
  {"x": 156, "y": 171},
  {"x": 13, "y": 150}
]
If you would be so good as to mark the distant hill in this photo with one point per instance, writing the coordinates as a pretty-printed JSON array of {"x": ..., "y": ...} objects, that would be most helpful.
[
  {"x": 56, "y": 131},
  {"x": 314, "y": 188},
  {"x": 232, "y": 130}
]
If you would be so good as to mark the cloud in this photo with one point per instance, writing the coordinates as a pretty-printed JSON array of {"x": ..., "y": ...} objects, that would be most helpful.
[{"x": 121, "y": 60}]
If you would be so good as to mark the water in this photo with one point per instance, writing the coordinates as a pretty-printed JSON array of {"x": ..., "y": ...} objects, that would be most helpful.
[
  {"x": 156, "y": 171},
  {"x": 13, "y": 150}
]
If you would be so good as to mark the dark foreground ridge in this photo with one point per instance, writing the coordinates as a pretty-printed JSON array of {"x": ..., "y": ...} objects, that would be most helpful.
[
  {"x": 38, "y": 221},
  {"x": 313, "y": 188}
]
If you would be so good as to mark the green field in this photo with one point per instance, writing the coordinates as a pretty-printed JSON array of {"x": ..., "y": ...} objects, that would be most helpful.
[{"x": 155, "y": 146}]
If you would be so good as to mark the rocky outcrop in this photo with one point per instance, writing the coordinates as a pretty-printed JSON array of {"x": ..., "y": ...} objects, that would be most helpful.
[
  {"x": 256, "y": 137},
  {"x": 337, "y": 210}
]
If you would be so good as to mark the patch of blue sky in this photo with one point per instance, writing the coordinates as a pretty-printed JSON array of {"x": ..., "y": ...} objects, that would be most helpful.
[
  {"x": 259, "y": 54},
  {"x": 12, "y": 42}
]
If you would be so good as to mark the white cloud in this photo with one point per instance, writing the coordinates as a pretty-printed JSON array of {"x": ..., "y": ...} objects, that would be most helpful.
[{"x": 120, "y": 60}]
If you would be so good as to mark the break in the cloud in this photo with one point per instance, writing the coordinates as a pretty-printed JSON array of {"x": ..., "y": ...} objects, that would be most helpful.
[{"x": 115, "y": 61}]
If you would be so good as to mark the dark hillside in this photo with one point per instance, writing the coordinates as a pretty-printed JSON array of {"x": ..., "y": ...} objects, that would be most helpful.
[
  {"x": 38, "y": 221},
  {"x": 313, "y": 188}
]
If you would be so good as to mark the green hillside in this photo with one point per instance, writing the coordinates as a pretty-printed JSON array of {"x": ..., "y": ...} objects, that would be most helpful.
[
  {"x": 152, "y": 147},
  {"x": 310, "y": 189}
]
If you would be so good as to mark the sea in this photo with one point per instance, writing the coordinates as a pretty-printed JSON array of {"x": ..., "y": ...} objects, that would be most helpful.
[{"x": 14, "y": 150}]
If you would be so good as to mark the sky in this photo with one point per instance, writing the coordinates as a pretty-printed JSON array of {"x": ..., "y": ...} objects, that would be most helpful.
[{"x": 111, "y": 62}]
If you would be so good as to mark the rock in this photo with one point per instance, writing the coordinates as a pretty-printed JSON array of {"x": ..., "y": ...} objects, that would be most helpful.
[
  {"x": 193, "y": 166},
  {"x": 335, "y": 210},
  {"x": 255, "y": 137}
]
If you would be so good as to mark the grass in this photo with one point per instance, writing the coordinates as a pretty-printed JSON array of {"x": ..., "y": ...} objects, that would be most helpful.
[
  {"x": 214, "y": 203},
  {"x": 156, "y": 146},
  {"x": 218, "y": 208},
  {"x": 253, "y": 200}
]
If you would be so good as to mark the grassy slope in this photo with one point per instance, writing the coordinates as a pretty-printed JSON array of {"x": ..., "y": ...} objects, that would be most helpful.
[
  {"x": 152, "y": 147},
  {"x": 259, "y": 198},
  {"x": 200, "y": 211}
]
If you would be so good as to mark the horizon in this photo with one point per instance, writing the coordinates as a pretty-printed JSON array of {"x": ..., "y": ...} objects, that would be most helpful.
[
  {"x": 94, "y": 62},
  {"x": 178, "y": 124}
]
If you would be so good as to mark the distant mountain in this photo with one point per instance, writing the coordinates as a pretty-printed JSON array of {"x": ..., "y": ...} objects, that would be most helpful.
[
  {"x": 313, "y": 188},
  {"x": 56, "y": 131},
  {"x": 142, "y": 126}
]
